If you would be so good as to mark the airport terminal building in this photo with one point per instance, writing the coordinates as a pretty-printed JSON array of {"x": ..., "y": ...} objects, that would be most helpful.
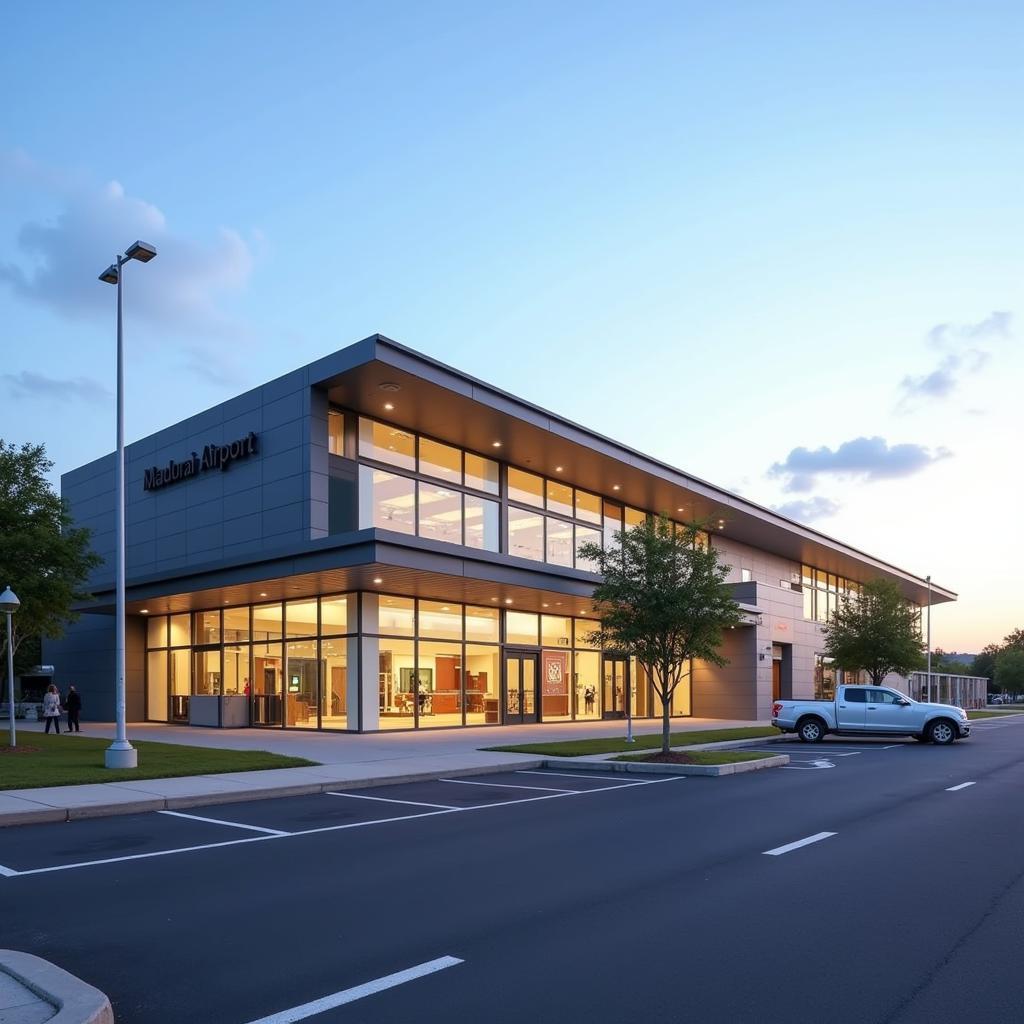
[{"x": 378, "y": 541}]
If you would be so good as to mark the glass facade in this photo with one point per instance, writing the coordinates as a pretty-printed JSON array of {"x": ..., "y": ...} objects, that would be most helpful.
[
  {"x": 438, "y": 664},
  {"x": 823, "y": 592}
]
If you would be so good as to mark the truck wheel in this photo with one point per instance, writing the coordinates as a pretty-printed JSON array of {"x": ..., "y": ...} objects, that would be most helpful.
[
  {"x": 942, "y": 731},
  {"x": 811, "y": 730}
]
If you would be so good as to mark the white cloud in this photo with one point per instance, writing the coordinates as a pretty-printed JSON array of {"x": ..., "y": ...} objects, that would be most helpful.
[
  {"x": 38, "y": 385},
  {"x": 808, "y": 510},
  {"x": 180, "y": 292}
]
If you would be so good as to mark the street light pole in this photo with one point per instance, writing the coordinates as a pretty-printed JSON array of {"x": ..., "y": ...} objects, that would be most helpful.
[
  {"x": 9, "y": 603},
  {"x": 120, "y": 753},
  {"x": 929, "y": 580}
]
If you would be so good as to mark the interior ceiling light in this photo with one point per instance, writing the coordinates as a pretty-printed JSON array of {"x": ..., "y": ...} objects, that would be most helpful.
[
  {"x": 389, "y": 385},
  {"x": 143, "y": 611},
  {"x": 495, "y": 444},
  {"x": 615, "y": 487},
  {"x": 377, "y": 579},
  {"x": 508, "y": 600},
  {"x": 558, "y": 469},
  {"x": 389, "y": 406},
  {"x": 263, "y": 593}
]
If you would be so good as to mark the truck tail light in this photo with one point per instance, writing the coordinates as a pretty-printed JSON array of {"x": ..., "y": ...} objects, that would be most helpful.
[{"x": 776, "y": 708}]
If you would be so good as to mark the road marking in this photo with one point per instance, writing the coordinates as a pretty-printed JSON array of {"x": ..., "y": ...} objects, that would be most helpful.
[
  {"x": 231, "y": 824},
  {"x": 350, "y": 995},
  {"x": 8, "y": 872},
  {"x": 816, "y": 838},
  {"x": 508, "y": 785},
  {"x": 388, "y": 800},
  {"x": 893, "y": 746},
  {"x": 963, "y": 785},
  {"x": 809, "y": 766},
  {"x": 557, "y": 795}
]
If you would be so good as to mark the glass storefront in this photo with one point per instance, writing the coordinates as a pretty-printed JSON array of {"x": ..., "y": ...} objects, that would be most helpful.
[{"x": 438, "y": 664}]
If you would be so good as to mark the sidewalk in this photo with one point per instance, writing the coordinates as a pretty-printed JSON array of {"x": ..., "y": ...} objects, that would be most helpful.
[{"x": 346, "y": 760}]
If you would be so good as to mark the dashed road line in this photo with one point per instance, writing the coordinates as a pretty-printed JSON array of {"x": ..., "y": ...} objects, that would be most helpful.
[
  {"x": 350, "y": 995},
  {"x": 390, "y": 800},
  {"x": 963, "y": 785},
  {"x": 229, "y": 824},
  {"x": 789, "y": 847}
]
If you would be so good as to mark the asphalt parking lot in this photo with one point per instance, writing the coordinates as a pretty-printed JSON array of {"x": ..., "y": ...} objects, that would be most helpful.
[{"x": 555, "y": 895}]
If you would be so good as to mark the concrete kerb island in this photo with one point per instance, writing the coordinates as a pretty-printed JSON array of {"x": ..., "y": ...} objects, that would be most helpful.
[
  {"x": 653, "y": 768},
  {"x": 33, "y": 991}
]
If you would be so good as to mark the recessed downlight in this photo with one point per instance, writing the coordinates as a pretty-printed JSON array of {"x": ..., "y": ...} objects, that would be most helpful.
[
  {"x": 508, "y": 600},
  {"x": 558, "y": 469},
  {"x": 616, "y": 487},
  {"x": 377, "y": 579},
  {"x": 390, "y": 386},
  {"x": 495, "y": 444},
  {"x": 143, "y": 611},
  {"x": 389, "y": 406},
  {"x": 263, "y": 593}
]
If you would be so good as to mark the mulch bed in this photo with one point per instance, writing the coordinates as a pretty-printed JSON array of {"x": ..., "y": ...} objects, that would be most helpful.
[
  {"x": 670, "y": 758},
  {"x": 19, "y": 750}
]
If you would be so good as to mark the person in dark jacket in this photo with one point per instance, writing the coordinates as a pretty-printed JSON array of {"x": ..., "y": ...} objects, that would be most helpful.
[{"x": 74, "y": 706}]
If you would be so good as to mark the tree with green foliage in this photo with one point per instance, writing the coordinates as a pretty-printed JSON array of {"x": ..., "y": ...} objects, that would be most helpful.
[
  {"x": 43, "y": 558},
  {"x": 985, "y": 665},
  {"x": 1010, "y": 670},
  {"x": 664, "y": 600},
  {"x": 878, "y": 633},
  {"x": 947, "y": 664}
]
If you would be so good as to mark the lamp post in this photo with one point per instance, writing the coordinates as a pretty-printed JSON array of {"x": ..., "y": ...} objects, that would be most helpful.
[
  {"x": 9, "y": 604},
  {"x": 120, "y": 753},
  {"x": 929, "y": 641}
]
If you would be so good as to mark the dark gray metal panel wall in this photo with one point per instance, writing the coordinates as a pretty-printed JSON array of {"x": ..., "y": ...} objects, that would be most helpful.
[
  {"x": 85, "y": 656},
  {"x": 276, "y": 498}
]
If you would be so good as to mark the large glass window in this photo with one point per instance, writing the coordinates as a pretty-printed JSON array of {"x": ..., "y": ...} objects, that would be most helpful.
[
  {"x": 267, "y": 684},
  {"x": 559, "y": 541},
  {"x": 386, "y": 501},
  {"x": 236, "y": 624},
  {"x": 559, "y": 498},
  {"x": 385, "y": 443},
  {"x": 266, "y": 622},
  {"x": 440, "y": 516},
  {"x": 440, "y": 461},
  {"x": 481, "y": 523},
  {"x": 396, "y": 615},
  {"x": 156, "y": 631},
  {"x": 439, "y": 683},
  {"x": 587, "y": 684},
  {"x": 300, "y": 618},
  {"x": 612, "y": 523},
  {"x": 585, "y": 535},
  {"x": 179, "y": 664},
  {"x": 180, "y": 635},
  {"x": 301, "y": 684},
  {"x": 236, "y": 670},
  {"x": 555, "y": 631},
  {"x": 481, "y": 473},
  {"x": 521, "y": 628},
  {"x": 156, "y": 685},
  {"x": 440, "y": 621},
  {"x": 206, "y": 627},
  {"x": 588, "y": 507},
  {"x": 396, "y": 685},
  {"x": 481, "y": 624},
  {"x": 334, "y": 666},
  {"x": 526, "y": 488},
  {"x": 206, "y": 677},
  {"x": 525, "y": 534},
  {"x": 336, "y": 432},
  {"x": 482, "y": 685},
  {"x": 334, "y": 614}
]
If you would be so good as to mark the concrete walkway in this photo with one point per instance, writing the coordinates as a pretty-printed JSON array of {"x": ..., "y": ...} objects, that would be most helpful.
[{"x": 345, "y": 760}]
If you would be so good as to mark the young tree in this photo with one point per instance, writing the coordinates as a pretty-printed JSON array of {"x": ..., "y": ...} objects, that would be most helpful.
[
  {"x": 664, "y": 600},
  {"x": 878, "y": 633},
  {"x": 1010, "y": 670},
  {"x": 43, "y": 558}
]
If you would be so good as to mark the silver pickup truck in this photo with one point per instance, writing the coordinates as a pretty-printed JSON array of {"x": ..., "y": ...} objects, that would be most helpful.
[{"x": 870, "y": 711}]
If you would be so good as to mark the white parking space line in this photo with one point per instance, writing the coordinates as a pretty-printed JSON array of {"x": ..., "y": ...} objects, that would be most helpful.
[
  {"x": 8, "y": 872},
  {"x": 789, "y": 847},
  {"x": 350, "y": 995},
  {"x": 388, "y": 800},
  {"x": 230, "y": 824},
  {"x": 507, "y": 785},
  {"x": 556, "y": 795},
  {"x": 963, "y": 785},
  {"x": 893, "y": 746}
]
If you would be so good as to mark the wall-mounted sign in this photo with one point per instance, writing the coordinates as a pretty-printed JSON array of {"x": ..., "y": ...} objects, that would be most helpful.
[{"x": 214, "y": 456}]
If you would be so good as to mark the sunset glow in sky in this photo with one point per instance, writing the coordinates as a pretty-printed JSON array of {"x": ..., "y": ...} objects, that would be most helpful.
[{"x": 776, "y": 245}]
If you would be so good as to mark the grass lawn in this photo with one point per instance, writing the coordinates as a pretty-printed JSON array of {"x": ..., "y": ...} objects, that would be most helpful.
[
  {"x": 991, "y": 714},
  {"x": 705, "y": 756},
  {"x": 64, "y": 760},
  {"x": 615, "y": 744}
]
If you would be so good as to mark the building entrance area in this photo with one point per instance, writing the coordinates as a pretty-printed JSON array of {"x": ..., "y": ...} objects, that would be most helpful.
[
  {"x": 615, "y": 688},
  {"x": 520, "y": 688}
]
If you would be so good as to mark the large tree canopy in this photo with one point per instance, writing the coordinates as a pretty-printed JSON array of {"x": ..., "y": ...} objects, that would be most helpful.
[
  {"x": 664, "y": 600},
  {"x": 1010, "y": 669},
  {"x": 43, "y": 558},
  {"x": 877, "y": 632}
]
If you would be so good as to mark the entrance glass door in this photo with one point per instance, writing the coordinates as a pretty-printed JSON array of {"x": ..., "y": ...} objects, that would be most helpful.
[
  {"x": 520, "y": 689},
  {"x": 615, "y": 687}
]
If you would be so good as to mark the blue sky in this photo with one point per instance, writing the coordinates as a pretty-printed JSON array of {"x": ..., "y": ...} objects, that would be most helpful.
[{"x": 777, "y": 245}]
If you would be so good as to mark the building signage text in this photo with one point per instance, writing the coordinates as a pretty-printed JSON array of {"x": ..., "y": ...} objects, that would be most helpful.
[{"x": 214, "y": 456}]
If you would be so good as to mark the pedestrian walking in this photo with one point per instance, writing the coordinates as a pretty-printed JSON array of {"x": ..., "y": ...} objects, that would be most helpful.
[
  {"x": 51, "y": 709},
  {"x": 74, "y": 706}
]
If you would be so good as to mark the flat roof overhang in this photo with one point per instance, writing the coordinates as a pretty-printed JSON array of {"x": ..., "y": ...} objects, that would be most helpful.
[
  {"x": 405, "y": 565},
  {"x": 441, "y": 402}
]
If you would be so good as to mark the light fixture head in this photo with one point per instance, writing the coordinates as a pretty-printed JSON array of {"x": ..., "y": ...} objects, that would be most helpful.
[
  {"x": 377, "y": 579},
  {"x": 508, "y": 600},
  {"x": 143, "y": 611},
  {"x": 616, "y": 487},
  {"x": 263, "y": 593},
  {"x": 558, "y": 469},
  {"x": 495, "y": 444},
  {"x": 109, "y": 276},
  {"x": 390, "y": 386},
  {"x": 389, "y": 406},
  {"x": 141, "y": 251},
  {"x": 9, "y": 601}
]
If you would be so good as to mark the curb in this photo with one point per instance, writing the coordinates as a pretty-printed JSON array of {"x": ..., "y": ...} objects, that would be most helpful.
[
  {"x": 641, "y": 768},
  {"x": 77, "y": 1002},
  {"x": 171, "y": 803}
]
